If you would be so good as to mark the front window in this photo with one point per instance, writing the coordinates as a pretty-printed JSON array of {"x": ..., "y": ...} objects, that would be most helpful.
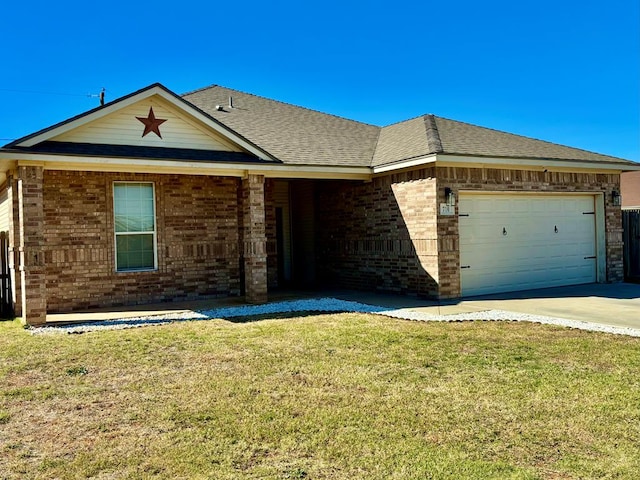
[{"x": 135, "y": 226}]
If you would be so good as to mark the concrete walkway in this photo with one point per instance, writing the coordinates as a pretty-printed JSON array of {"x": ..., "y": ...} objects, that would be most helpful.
[{"x": 615, "y": 305}]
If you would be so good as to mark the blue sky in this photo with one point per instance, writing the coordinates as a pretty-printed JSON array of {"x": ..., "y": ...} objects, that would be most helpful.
[{"x": 562, "y": 71}]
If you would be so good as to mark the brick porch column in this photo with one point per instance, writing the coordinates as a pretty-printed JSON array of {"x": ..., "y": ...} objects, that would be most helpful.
[
  {"x": 14, "y": 244},
  {"x": 255, "y": 239},
  {"x": 32, "y": 265}
]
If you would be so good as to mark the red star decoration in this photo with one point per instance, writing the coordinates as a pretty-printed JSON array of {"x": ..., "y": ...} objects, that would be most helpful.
[{"x": 151, "y": 123}]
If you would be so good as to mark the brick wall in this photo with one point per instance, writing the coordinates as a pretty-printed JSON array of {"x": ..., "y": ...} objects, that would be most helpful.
[
  {"x": 380, "y": 235},
  {"x": 254, "y": 239},
  {"x": 387, "y": 235},
  {"x": 270, "y": 231},
  {"x": 383, "y": 235},
  {"x": 197, "y": 240},
  {"x": 32, "y": 264},
  {"x": 500, "y": 180}
]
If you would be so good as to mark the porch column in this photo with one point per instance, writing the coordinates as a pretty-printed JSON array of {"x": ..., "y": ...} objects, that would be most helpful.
[
  {"x": 32, "y": 265},
  {"x": 14, "y": 244},
  {"x": 255, "y": 239}
]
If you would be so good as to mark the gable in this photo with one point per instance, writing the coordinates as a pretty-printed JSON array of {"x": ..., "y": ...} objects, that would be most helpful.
[
  {"x": 403, "y": 141},
  {"x": 123, "y": 127},
  {"x": 189, "y": 128},
  {"x": 217, "y": 124}
]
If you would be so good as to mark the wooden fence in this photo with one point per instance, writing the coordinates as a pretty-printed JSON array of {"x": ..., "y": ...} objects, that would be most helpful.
[{"x": 631, "y": 238}]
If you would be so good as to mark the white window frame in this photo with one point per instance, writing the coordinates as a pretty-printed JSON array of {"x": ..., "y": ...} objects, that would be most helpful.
[{"x": 154, "y": 232}]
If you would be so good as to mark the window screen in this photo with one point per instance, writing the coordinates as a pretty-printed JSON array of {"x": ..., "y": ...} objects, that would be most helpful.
[{"x": 135, "y": 228}]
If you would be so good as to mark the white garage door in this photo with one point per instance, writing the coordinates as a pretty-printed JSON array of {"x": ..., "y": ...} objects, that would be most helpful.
[{"x": 520, "y": 242}]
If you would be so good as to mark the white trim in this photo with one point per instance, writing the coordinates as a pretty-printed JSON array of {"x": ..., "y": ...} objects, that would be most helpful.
[
  {"x": 156, "y": 90},
  {"x": 597, "y": 204},
  {"x": 601, "y": 238},
  {"x": 550, "y": 165},
  {"x": 8, "y": 160},
  {"x": 531, "y": 193},
  {"x": 133, "y": 165},
  {"x": 414, "y": 162},
  {"x": 154, "y": 233}
]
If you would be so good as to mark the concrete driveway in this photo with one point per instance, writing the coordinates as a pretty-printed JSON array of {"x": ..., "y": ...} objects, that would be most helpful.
[{"x": 616, "y": 304}]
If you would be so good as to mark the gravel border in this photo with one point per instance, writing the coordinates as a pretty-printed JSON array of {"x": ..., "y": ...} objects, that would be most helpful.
[{"x": 326, "y": 305}]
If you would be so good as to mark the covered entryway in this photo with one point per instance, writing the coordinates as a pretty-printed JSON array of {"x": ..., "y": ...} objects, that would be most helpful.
[
  {"x": 511, "y": 242},
  {"x": 293, "y": 238}
]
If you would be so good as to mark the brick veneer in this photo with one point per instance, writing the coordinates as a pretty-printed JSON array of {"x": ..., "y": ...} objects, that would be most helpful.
[
  {"x": 212, "y": 231},
  {"x": 388, "y": 235},
  {"x": 254, "y": 239},
  {"x": 502, "y": 180},
  {"x": 380, "y": 235},
  {"x": 270, "y": 232},
  {"x": 197, "y": 240},
  {"x": 32, "y": 241}
]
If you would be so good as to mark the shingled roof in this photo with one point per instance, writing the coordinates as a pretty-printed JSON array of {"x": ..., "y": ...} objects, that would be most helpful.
[
  {"x": 292, "y": 134},
  {"x": 297, "y": 135},
  {"x": 280, "y": 132}
]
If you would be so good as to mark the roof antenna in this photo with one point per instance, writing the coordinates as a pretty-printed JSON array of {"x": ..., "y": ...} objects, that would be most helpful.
[
  {"x": 100, "y": 96},
  {"x": 230, "y": 101}
]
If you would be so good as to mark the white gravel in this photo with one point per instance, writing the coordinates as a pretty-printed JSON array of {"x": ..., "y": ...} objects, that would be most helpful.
[{"x": 326, "y": 305}]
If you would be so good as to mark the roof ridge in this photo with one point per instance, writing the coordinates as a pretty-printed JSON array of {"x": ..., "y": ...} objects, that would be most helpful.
[
  {"x": 407, "y": 120},
  {"x": 213, "y": 85},
  {"x": 528, "y": 137},
  {"x": 283, "y": 103},
  {"x": 433, "y": 136},
  {"x": 375, "y": 147}
]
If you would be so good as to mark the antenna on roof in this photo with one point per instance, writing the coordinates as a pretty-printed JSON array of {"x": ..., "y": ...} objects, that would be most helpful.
[{"x": 100, "y": 96}]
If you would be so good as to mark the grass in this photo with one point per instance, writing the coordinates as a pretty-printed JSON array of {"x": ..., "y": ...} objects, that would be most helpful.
[{"x": 320, "y": 397}]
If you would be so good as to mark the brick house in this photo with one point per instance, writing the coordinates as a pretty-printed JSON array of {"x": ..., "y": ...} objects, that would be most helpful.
[{"x": 158, "y": 197}]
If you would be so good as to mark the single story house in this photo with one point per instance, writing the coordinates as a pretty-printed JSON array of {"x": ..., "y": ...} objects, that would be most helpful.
[{"x": 158, "y": 197}]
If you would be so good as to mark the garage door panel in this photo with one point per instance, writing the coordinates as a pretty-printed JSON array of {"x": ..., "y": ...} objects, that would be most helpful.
[{"x": 518, "y": 242}]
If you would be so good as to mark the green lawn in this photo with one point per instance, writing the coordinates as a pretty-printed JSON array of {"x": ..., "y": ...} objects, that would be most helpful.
[{"x": 320, "y": 397}]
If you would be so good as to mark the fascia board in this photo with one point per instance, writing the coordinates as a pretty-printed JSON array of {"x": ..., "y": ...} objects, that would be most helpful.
[
  {"x": 413, "y": 162},
  {"x": 176, "y": 101},
  {"x": 133, "y": 165},
  {"x": 552, "y": 165},
  {"x": 90, "y": 117}
]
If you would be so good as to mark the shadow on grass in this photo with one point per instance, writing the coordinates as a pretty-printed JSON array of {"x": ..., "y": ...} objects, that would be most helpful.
[{"x": 280, "y": 316}]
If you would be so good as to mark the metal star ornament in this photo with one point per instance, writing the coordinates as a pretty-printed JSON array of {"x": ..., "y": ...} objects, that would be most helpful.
[{"x": 151, "y": 123}]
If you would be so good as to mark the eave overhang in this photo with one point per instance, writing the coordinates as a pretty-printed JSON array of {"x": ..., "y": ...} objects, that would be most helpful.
[
  {"x": 544, "y": 164},
  {"x": 9, "y": 160},
  {"x": 153, "y": 90}
]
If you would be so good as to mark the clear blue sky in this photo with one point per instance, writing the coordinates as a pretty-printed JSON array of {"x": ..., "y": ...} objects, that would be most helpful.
[{"x": 562, "y": 71}]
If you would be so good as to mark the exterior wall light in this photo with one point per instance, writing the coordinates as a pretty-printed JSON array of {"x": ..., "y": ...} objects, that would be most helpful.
[
  {"x": 449, "y": 196},
  {"x": 616, "y": 198}
]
